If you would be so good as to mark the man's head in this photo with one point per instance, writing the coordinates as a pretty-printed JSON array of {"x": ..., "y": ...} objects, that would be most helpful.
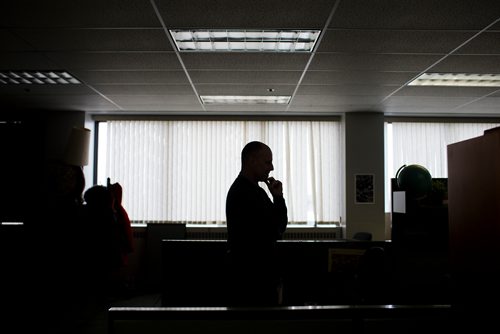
[{"x": 256, "y": 161}]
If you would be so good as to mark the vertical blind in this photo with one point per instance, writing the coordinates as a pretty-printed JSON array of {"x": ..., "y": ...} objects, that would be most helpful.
[
  {"x": 181, "y": 170},
  {"x": 425, "y": 144}
]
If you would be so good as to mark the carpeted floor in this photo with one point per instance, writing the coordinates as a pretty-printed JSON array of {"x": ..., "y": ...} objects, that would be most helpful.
[{"x": 69, "y": 315}]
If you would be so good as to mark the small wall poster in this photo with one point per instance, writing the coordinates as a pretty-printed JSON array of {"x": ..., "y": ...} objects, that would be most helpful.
[{"x": 365, "y": 188}]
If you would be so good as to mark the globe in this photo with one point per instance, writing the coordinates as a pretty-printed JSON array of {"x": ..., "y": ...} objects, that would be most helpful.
[{"x": 415, "y": 180}]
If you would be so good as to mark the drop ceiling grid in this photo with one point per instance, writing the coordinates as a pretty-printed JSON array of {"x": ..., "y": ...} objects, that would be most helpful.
[
  {"x": 386, "y": 28},
  {"x": 248, "y": 73},
  {"x": 370, "y": 50}
]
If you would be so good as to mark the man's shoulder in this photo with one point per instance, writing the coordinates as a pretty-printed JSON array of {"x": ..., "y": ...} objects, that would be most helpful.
[
  {"x": 241, "y": 182},
  {"x": 243, "y": 190},
  {"x": 238, "y": 185}
]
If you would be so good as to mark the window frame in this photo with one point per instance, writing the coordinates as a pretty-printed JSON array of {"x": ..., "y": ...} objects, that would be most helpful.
[{"x": 98, "y": 119}]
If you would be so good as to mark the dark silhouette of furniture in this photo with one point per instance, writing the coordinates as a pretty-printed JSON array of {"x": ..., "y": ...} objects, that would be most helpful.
[
  {"x": 474, "y": 218},
  {"x": 363, "y": 236}
]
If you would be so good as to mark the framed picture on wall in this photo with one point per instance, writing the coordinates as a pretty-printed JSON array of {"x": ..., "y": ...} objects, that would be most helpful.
[{"x": 364, "y": 184}]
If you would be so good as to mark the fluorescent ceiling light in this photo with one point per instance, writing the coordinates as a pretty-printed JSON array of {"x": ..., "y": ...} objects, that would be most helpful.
[
  {"x": 457, "y": 80},
  {"x": 226, "y": 99},
  {"x": 225, "y": 40},
  {"x": 37, "y": 78}
]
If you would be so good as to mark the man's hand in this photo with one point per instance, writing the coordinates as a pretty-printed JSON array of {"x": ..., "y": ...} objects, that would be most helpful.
[{"x": 275, "y": 187}]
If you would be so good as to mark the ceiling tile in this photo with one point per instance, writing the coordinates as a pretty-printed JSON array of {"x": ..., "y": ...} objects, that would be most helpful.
[
  {"x": 116, "y": 60},
  {"x": 131, "y": 90},
  {"x": 331, "y": 110},
  {"x": 325, "y": 100},
  {"x": 340, "y": 77},
  {"x": 129, "y": 77},
  {"x": 372, "y": 62},
  {"x": 245, "y": 77},
  {"x": 161, "y": 109},
  {"x": 245, "y": 61},
  {"x": 363, "y": 62},
  {"x": 242, "y": 89},
  {"x": 420, "y": 15},
  {"x": 11, "y": 42},
  {"x": 257, "y": 14},
  {"x": 445, "y": 91},
  {"x": 392, "y": 41},
  {"x": 485, "y": 103},
  {"x": 78, "y": 13},
  {"x": 426, "y": 102},
  {"x": 469, "y": 64},
  {"x": 138, "y": 100},
  {"x": 346, "y": 90},
  {"x": 46, "y": 89},
  {"x": 142, "y": 39},
  {"x": 486, "y": 43},
  {"x": 26, "y": 61},
  {"x": 63, "y": 102}
]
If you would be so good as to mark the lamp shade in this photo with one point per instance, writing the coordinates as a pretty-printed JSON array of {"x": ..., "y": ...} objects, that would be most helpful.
[{"x": 76, "y": 152}]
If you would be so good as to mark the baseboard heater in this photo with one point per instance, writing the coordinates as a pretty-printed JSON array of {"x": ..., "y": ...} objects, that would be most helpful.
[
  {"x": 330, "y": 233},
  {"x": 220, "y": 233}
]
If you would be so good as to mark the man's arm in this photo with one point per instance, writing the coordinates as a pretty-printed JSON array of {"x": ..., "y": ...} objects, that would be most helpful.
[{"x": 280, "y": 213}]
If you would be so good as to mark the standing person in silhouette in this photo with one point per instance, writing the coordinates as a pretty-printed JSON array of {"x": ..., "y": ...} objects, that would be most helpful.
[
  {"x": 111, "y": 237},
  {"x": 254, "y": 224}
]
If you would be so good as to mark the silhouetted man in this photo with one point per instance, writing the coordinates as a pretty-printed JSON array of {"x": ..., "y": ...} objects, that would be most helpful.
[{"x": 254, "y": 224}]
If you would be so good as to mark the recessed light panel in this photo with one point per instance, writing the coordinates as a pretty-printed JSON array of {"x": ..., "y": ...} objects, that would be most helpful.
[
  {"x": 37, "y": 78},
  {"x": 457, "y": 80},
  {"x": 214, "y": 40},
  {"x": 226, "y": 99}
]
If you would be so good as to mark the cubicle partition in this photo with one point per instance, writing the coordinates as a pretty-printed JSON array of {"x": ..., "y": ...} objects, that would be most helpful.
[
  {"x": 314, "y": 272},
  {"x": 194, "y": 273}
]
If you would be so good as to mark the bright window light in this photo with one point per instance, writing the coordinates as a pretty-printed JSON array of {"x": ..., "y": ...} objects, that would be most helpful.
[
  {"x": 37, "y": 77},
  {"x": 244, "y": 40},
  {"x": 223, "y": 99},
  {"x": 457, "y": 80},
  {"x": 174, "y": 189}
]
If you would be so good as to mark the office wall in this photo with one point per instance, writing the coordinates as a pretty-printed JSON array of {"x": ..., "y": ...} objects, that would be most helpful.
[{"x": 364, "y": 155}]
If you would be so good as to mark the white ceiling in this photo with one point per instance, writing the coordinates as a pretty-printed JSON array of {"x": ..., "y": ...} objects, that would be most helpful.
[{"x": 369, "y": 50}]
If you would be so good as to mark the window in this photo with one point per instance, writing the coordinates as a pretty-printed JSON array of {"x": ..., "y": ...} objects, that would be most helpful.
[
  {"x": 424, "y": 143},
  {"x": 180, "y": 171}
]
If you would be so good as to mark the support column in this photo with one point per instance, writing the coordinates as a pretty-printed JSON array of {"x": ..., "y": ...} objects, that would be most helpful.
[{"x": 364, "y": 161}]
